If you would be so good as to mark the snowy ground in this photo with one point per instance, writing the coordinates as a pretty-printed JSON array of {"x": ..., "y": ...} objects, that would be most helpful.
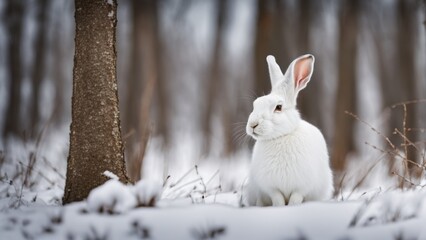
[
  {"x": 391, "y": 215},
  {"x": 196, "y": 202}
]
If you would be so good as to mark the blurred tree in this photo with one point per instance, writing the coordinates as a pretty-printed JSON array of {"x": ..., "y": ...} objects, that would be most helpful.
[
  {"x": 387, "y": 68},
  {"x": 149, "y": 49},
  {"x": 95, "y": 139},
  {"x": 38, "y": 68},
  {"x": 60, "y": 52},
  {"x": 397, "y": 72},
  {"x": 268, "y": 40},
  {"x": 406, "y": 42},
  {"x": 143, "y": 81},
  {"x": 13, "y": 18},
  {"x": 134, "y": 81},
  {"x": 346, "y": 87},
  {"x": 304, "y": 22},
  {"x": 310, "y": 98},
  {"x": 163, "y": 128},
  {"x": 216, "y": 82}
]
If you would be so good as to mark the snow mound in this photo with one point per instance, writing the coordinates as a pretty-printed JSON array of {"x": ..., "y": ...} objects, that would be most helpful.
[
  {"x": 148, "y": 192},
  {"x": 114, "y": 197},
  {"x": 390, "y": 207},
  {"x": 110, "y": 175},
  {"x": 111, "y": 197}
]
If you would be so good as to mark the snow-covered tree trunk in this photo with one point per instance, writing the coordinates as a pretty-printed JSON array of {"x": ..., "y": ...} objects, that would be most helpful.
[{"x": 95, "y": 139}]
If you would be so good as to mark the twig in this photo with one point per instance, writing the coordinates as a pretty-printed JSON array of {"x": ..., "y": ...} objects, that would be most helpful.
[
  {"x": 364, "y": 177},
  {"x": 407, "y": 142},
  {"x": 53, "y": 168},
  {"x": 166, "y": 181},
  {"x": 407, "y": 180},
  {"x": 404, "y": 128},
  {"x": 39, "y": 172},
  {"x": 219, "y": 189},
  {"x": 203, "y": 193},
  {"x": 213, "y": 176},
  {"x": 372, "y": 128},
  {"x": 421, "y": 130},
  {"x": 184, "y": 185},
  {"x": 341, "y": 185},
  {"x": 410, "y": 143},
  {"x": 409, "y": 102},
  {"x": 181, "y": 178},
  {"x": 361, "y": 211},
  {"x": 396, "y": 153}
]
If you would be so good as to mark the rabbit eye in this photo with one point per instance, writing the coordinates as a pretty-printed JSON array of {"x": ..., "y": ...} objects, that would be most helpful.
[{"x": 278, "y": 108}]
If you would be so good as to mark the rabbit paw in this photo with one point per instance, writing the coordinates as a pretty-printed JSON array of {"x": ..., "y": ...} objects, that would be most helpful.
[
  {"x": 277, "y": 199},
  {"x": 295, "y": 198}
]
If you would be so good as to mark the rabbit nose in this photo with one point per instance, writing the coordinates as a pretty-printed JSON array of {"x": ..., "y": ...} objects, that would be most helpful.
[{"x": 254, "y": 125}]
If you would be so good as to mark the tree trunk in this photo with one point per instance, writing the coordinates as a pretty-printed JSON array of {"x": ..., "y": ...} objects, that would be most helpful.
[
  {"x": 134, "y": 81},
  {"x": 62, "y": 53},
  {"x": 134, "y": 90},
  {"x": 162, "y": 95},
  {"x": 146, "y": 34},
  {"x": 14, "y": 16},
  {"x": 309, "y": 100},
  {"x": 95, "y": 139},
  {"x": 58, "y": 114},
  {"x": 38, "y": 65},
  {"x": 214, "y": 78},
  {"x": 398, "y": 79},
  {"x": 389, "y": 84},
  {"x": 406, "y": 19},
  {"x": 346, "y": 88},
  {"x": 264, "y": 43}
]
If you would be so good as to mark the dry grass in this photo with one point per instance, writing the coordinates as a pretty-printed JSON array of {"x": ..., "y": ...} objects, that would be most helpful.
[
  {"x": 411, "y": 171},
  {"x": 404, "y": 172},
  {"x": 191, "y": 185},
  {"x": 28, "y": 169}
]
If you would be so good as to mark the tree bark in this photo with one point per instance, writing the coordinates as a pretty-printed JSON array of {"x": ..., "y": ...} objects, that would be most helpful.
[
  {"x": 95, "y": 138},
  {"x": 346, "y": 88},
  {"x": 14, "y": 16}
]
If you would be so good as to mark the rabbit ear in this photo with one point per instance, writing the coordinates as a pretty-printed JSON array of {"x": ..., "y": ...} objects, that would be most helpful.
[
  {"x": 302, "y": 69},
  {"x": 275, "y": 73}
]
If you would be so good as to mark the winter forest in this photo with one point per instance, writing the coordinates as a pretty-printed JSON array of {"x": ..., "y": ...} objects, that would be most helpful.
[{"x": 126, "y": 119}]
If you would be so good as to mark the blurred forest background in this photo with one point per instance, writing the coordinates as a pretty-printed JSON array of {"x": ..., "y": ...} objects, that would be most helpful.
[{"x": 189, "y": 70}]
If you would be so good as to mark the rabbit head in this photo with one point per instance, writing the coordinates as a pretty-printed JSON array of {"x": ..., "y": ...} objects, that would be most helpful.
[{"x": 275, "y": 114}]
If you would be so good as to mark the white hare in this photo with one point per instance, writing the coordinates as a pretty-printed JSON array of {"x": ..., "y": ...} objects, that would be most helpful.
[{"x": 290, "y": 162}]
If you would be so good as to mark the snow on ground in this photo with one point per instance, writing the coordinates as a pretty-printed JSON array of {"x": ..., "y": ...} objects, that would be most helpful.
[
  {"x": 199, "y": 200},
  {"x": 390, "y": 215}
]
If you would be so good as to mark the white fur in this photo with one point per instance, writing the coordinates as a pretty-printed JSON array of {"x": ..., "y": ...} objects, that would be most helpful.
[{"x": 290, "y": 162}]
